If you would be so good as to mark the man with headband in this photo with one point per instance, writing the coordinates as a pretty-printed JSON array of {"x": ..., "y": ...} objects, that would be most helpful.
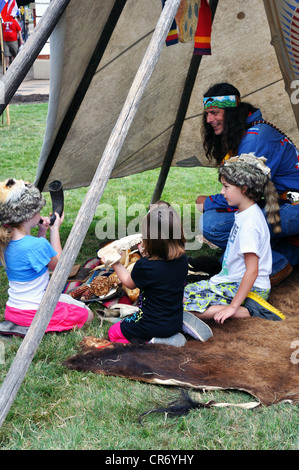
[{"x": 232, "y": 127}]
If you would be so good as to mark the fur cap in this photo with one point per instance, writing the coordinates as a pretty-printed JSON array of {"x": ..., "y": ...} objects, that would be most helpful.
[
  {"x": 246, "y": 170},
  {"x": 250, "y": 171},
  {"x": 19, "y": 201}
]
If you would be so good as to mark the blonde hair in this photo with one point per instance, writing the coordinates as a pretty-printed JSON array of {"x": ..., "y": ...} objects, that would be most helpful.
[{"x": 5, "y": 238}]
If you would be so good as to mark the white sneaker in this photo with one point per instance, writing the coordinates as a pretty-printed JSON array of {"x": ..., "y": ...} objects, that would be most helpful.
[{"x": 195, "y": 327}]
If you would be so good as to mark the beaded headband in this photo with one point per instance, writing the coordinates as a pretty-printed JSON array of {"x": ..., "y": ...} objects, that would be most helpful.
[{"x": 230, "y": 101}]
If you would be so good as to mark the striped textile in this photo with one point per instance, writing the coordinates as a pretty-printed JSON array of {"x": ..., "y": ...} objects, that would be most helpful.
[{"x": 202, "y": 40}]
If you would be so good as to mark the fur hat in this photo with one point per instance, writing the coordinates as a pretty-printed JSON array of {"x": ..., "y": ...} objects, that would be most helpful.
[
  {"x": 247, "y": 170},
  {"x": 251, "y": 172},
  {"x": 19, "y": 201}
]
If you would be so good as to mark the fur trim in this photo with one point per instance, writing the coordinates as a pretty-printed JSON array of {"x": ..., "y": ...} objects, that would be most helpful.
[
  {"x": 19, "y": 201},
  {"x": 11, "y": 190},
  {"x": 247, "y": 170},
  {"x": 251, "y": 159},
  {"x": 251, "y": 171}
]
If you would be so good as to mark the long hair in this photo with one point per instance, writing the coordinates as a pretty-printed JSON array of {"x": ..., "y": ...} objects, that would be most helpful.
[
  {"x": 162, "y": 233},
  {"x": 272, "y": 207},
  {"x": 251, "y": 174},
  {"x": 217, "y": 146},
  {"x": 5, "y": 238}
]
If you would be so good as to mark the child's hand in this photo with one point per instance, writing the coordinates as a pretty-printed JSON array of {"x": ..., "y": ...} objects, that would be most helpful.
[
  {"x": 224, "y": 314},
  {"x": 103, "y": 260},
  {"x": 43, "y": 226},
  {"x": 58, "y": 221}
]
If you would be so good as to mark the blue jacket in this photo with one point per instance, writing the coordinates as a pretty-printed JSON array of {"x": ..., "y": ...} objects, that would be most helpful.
[{"x": 282, "y": 157}]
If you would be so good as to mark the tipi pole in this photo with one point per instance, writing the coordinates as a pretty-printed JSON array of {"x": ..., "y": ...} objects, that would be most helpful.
[
  {"x": 19, "y": 68},
  {"x": 181, "y": 114},
  {"x": 86, "y": 213},
  {"x": 3, "y": 67}
]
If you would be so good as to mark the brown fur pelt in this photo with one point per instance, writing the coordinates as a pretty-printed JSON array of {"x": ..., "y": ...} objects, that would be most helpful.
[{"x": 260, "y": 357}]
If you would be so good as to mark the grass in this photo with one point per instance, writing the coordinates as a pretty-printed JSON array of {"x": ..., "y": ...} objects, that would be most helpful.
[{"x": 60, "y": 409}]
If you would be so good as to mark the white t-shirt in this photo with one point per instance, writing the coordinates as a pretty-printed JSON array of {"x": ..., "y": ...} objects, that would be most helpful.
[
  {"x": 27, "y": 295},
  {"x": 249, "y": 234}
]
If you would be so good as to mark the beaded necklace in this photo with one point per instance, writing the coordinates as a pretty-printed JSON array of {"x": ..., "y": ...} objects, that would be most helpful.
[{"x": 262, "y": 121}]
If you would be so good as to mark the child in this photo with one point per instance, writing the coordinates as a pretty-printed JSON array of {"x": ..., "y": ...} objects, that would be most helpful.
[
  {"x": 160, "y": 275},
  {"x": 27, "y": 259},
  {"x": 247, "y": 261}
]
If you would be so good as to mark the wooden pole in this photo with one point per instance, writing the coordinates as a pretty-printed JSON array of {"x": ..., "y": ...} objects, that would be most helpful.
[
  {"x": 26, "y": 57},
  {"x": 86, "y": 213},
  {"x": 2, "y": 54},
  {"x": 3, "y": 68},
  {"x": 181, "y": 114}
]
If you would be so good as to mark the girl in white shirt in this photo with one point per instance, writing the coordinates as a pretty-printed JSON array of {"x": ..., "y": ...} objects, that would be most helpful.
[{"x": 243, "y": 285}]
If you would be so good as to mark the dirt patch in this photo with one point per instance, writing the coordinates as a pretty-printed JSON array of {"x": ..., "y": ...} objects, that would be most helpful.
[{"x": 34, "y": 98}]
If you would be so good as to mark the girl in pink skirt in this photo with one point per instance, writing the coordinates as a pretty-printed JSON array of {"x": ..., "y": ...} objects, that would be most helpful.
[{"x": 28, "y": 259}]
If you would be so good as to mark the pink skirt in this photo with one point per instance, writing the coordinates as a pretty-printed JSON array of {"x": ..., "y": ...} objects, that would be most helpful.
[{"x": 67, "y": 315}]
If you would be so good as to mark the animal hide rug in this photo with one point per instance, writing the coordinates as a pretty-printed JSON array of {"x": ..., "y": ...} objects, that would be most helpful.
[{"x": 260, "y": 357}]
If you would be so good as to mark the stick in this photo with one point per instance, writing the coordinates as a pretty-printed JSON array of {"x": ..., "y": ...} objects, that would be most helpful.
[
  {"x": 85, "y": 215},
  {"x": 3, "y": 68},
  {"x": 2, "y": 54}
]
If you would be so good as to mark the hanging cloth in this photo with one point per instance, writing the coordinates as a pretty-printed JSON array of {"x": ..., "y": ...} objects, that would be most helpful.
[
  {"x": 202, "y": 40},
  {"x": 187, "y": 19},
  {"x": 172, "y": 37}
]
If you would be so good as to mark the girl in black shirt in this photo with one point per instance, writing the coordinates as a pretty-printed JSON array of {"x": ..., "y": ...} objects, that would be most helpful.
[{"x": 160, "y": 275}]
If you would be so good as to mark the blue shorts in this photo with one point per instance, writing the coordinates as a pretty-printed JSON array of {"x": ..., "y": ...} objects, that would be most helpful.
[{"x": 201, "y": 295}]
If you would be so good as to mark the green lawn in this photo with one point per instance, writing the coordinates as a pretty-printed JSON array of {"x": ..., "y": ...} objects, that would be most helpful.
[{"x": 57, "y": 408}]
